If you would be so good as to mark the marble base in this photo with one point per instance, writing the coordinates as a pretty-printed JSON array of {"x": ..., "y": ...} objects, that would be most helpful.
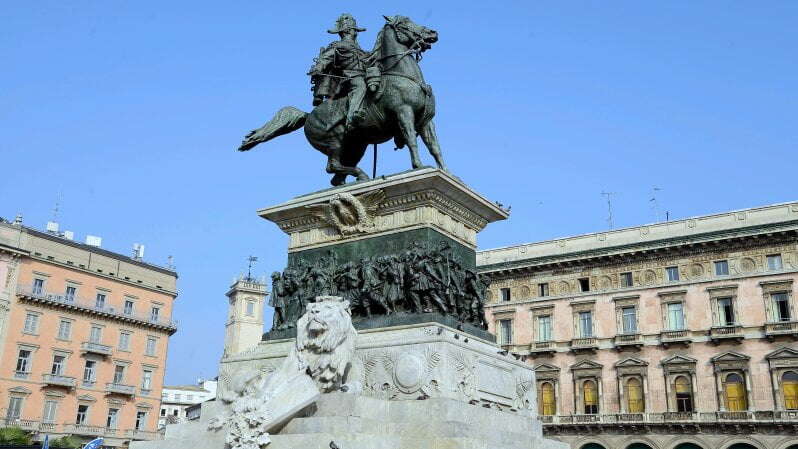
[
  {"x": 357, "y": 422},
  {"x": 425, "y": 360}
]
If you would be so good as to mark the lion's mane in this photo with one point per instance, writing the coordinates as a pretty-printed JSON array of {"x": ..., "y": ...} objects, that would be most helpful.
[{"x": 327, "y": 353}]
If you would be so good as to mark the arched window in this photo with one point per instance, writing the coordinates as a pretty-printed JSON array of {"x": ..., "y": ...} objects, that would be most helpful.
[
  {"x": 684, "y": 394},
  {"x": 734, "y": 392},
  {"x": 547, "y": 404},
  {"x": 634, "y": 396},
  {"x": 590, "y": 395},
  {"x": 789, "y": 387}
]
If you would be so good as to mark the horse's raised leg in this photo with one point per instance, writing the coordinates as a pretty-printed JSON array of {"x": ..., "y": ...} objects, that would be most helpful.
[
  {"x": 341, "y": 171},
  {"x": 408, "y": 128},
  {"x": 430, "y": 138}
]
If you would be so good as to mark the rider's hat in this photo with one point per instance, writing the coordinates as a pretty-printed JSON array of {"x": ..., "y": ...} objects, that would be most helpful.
[{"x": 345, "y": 22}]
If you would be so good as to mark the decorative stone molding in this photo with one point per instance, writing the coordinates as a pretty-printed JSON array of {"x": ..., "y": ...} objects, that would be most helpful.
[
  {"x": 776, "y": 286},
  {"x": 631, "y": 366},
  {"x": 730, "y": 360}
]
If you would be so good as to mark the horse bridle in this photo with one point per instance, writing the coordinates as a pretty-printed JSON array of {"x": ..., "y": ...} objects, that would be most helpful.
[{"x": 415, "y": 49}]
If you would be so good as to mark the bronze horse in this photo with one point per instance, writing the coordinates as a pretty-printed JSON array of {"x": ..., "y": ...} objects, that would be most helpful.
[{"x": 402, "y": 108}]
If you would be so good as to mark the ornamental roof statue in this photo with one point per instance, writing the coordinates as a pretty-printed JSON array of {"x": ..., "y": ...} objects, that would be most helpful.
[
  {"x": 345, "y": 22},
  {"x": 362, "y": 98}
]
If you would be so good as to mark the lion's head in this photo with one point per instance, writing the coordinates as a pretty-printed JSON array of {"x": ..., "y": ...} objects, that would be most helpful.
[{"x": 325, "y": 340}]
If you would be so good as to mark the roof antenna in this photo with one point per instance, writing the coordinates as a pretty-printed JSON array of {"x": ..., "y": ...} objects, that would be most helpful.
[
  {"x": 655, "y": 203},
  {"x": 609, "y": 196},
  {"x": 252, "y": 260}
]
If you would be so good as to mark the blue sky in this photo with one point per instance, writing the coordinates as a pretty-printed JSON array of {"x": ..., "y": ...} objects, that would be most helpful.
[{"x": 132, "y": 112}]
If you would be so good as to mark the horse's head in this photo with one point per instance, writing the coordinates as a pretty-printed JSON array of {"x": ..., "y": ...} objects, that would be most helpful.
[{"x": 410, "y": 34}]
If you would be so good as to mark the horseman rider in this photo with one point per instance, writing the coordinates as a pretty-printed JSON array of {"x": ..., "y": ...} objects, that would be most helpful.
[{"x": 342, "y": 65}]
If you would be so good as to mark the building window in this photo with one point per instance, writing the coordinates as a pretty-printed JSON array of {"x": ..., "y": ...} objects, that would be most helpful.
[
  {"x": 14, "y": 410},
  {"x": 774, "y": 262},
  {"x": 69, "y": 294},
  {"x": 548, "y": 402},
  {"x": 146, "y": 380},
  {"x": 83, "y": 413},
  {"x": 585, "y": 324},
  {"x": 584, "y": 284},
  {"x": 128, "y": 309},
  {"x": 789, "y": 387},
  {"x": 673, "y": 273},
  {"x": 781, "y": 306},
  {"x": 64, "y": 330},
  {"x": 590, "y": 394},
  {"x": 506, "y": 332},
  {"x": 50, "y": 409},
  {"x": 119, "y": 374},
  {"x": 626, "y": 279},
  {"x": 113, "y": 418},
  {"x": 734, "y": 393},
  {"x": 141, "y": 419},
  {"x": 543, "y": 289},
  {"x": 163, "y": 412},
  {"x": 31, "y": 323},
  {"x": 675, "y": 316},
  {"x": 150, "y": 348},
  {"x": 250, "y": 308},
  {"x": 90, "y": 372},
  {"x": 178, "y": 397},
  {"x": 38, "y": 287},
  {"x": 174, "y": 412},
  {"x": 505, "y": 292},
  {"x": 124, "y": 341},
  {"x": 58, "y": 365},
  {"x": 629, "y": 319},
  {"x": 96, "y": 334},
  {"x": 544, "y": 328},
  {"x": 154, "y": 312},
  {"x": 634, "y": 396},
  {"x": 99, "y": 302},
  {"x": 726, "y": 311},
  {"x": 189, "y": 397},
  {"x": 23, "y": 361},
  {"x": 684, "y": 394},
  {"x": 722, "y": 268}
]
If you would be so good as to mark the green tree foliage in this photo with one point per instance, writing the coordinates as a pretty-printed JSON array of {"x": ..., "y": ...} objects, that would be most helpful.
[
  {"x": 66, "y": 441},
  {"x": 14, "y": 436}
]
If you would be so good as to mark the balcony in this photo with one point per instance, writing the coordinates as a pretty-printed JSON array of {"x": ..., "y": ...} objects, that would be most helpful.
[
  {"x": 623, "y": 341},
  {"x": 85, "y": 430},
  {"x": 89, "y": 305},
  {"x": 720, "y": 333},
  {"x": 142, "y": 435},
  {"x": 773, "y": 330},
  {"x": 58, "y": 380},
  {"x": 540, "y": 348},
  {"x": 675, "y": 337},
  {"x": 114, "y": 388},
  {"x": 27, "y": 425},
  {"x": 584, "y": 344},
  {"x": 758, "y": 418},
  {"x": 95, "y": 348}
]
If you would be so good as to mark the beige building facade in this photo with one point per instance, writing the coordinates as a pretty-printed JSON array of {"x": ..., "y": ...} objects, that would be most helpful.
[
  {"x": 84, "y": 335},
  {"x": 671, "y": 335}
]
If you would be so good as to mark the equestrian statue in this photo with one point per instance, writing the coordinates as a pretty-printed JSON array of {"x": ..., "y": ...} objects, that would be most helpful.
[{"x": 362, "y": 98}]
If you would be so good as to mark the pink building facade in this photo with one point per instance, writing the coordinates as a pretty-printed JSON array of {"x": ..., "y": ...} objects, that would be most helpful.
[{"x": 670, "y": 335}]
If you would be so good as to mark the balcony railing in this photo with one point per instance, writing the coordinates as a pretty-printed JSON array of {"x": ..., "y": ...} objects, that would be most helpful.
[
  {"x": 57, "y": 379},
  {"x": 781, "y": 328},
  {"x": 726, "y": 332},
  {"x": 634, "y": 339},
  {"x": 24, "y": 424},
  {"x": 85, "y": 430},
  {"x": 91, "y": 306},
  {"x": 761, "y": 417},
  {"x": 584, "y": 343},
  {"x": 96, "y": 348},
  {"x": 129, "y": 390},
  {"x": 142, "y": 435},
  {"x": 541, "y": 347},
  {"x": 674, "y": 336}
]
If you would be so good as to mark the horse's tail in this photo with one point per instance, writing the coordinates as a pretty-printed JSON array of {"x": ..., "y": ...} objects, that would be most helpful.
[{"x": 286, "y": 120}]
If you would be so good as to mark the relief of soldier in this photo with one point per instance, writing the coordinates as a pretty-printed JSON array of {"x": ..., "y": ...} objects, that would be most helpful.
[{"x": 419, "y": 280}]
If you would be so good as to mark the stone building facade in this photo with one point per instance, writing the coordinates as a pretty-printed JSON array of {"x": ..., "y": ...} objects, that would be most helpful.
[
  {"x": 673, "y": 335},
  {"x": 177, "y": 400},
  {"x": 84, "y": 334}
]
